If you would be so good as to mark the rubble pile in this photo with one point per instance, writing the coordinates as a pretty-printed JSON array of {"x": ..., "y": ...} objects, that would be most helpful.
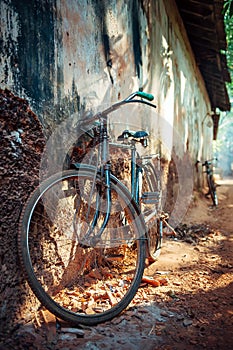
[
  {"x": 194, "y": 233},
  {"x": 22, "y": 143}
]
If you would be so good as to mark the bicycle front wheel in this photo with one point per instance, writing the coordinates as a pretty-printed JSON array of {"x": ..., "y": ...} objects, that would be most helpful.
[{"x": 78, "y": 281}]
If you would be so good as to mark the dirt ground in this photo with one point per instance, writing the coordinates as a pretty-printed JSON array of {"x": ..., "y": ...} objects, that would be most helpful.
[{"x": 193, "y": 309}]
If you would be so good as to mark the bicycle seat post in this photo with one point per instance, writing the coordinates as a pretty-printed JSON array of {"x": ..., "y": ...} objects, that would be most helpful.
[
  {"x": 133, "y": 168},
  {"x": 104, "y": 142}
]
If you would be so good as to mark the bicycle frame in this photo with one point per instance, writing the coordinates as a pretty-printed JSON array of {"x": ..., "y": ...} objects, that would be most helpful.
[
  {"x": 104, "y": 167},
  {"x": 136, "y": 169},
  {"x": 207, "y": 164},
  {"x": 210, "y": 180}
]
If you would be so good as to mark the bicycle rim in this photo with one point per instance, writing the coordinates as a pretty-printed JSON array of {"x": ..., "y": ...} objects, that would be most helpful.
[
  {"x": 81, "y": 283},
  {"x": 151, "y": 212},
  {"x": 212, "y": 190}
]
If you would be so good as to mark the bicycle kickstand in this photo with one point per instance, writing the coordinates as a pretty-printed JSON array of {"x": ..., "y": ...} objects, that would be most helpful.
[{"x": 164, "y": 217}]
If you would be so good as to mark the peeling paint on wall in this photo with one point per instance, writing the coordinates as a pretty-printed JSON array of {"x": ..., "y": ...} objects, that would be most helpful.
[
  {"x": 30, "y": 47},
  {"x": 68, "y": 56}
]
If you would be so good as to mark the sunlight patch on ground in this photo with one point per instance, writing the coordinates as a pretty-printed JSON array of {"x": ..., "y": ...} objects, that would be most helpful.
[{"x": 225, "y": 181}]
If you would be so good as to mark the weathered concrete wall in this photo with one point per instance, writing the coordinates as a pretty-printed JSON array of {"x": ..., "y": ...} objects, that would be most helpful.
[
  {"x": 69, "y": 56},
  {"x": 65, "y": 56}
]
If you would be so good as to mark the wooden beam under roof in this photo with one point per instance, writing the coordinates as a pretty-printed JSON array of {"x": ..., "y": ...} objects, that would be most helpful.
[{"x": 204, "y": 25}]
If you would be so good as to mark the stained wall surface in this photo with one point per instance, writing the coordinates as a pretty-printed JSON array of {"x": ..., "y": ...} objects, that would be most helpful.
[{"x": 69, "y": 56}]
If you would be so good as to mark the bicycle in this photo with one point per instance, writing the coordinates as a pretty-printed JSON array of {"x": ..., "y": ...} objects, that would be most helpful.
[
  {"x": 83, "y": 235},
  {"x": 210, "y": 181}
]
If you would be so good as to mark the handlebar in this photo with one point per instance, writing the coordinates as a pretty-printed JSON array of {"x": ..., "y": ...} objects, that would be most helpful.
[
  {"x": 130, "y": 99},
  {"x": 141, "y": 94},
  {"x": 207, "y": 162}
]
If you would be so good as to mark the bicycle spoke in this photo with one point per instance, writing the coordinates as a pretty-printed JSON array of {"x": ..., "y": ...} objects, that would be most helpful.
[{"x": 82, "y": 278}]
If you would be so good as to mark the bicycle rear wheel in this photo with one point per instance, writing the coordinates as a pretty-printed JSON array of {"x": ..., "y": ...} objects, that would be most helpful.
[
  {"x": 212, "y": 190},
  {"x": 151, "y": 209},
  {"x": 78, "y": 281}
]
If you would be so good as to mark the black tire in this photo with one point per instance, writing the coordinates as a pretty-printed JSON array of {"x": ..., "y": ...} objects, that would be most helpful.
[
  {"x": 212, "y": 190},
  {"x": 81, "y": 282},
  {"x": 151, "y": 183}
]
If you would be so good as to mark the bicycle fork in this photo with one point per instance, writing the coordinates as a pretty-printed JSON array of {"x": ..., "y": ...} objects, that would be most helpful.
[{"x": 103, "y": 188}]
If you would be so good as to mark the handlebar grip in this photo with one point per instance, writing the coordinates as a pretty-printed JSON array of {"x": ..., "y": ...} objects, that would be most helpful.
[{"x": 145, "y": 95}]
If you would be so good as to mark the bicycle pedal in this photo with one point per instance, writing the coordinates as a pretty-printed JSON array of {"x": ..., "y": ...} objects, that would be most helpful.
[{"x": 150, "y": 197}]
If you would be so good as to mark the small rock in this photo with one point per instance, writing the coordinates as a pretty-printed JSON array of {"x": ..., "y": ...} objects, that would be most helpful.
[
  {"x": 172, "y": 294},
  {"x": 67, "y": 336},
  {"x": 77, "y": 331},
  {"x": 166, "y": 314},
  {"x": 187, "y": 322},
  {"x": 180, "y": 317},
  {"x": 177, "y": 283},
  {"x": 163, "y": 272},
  {"x": 143, "y": 311}
]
